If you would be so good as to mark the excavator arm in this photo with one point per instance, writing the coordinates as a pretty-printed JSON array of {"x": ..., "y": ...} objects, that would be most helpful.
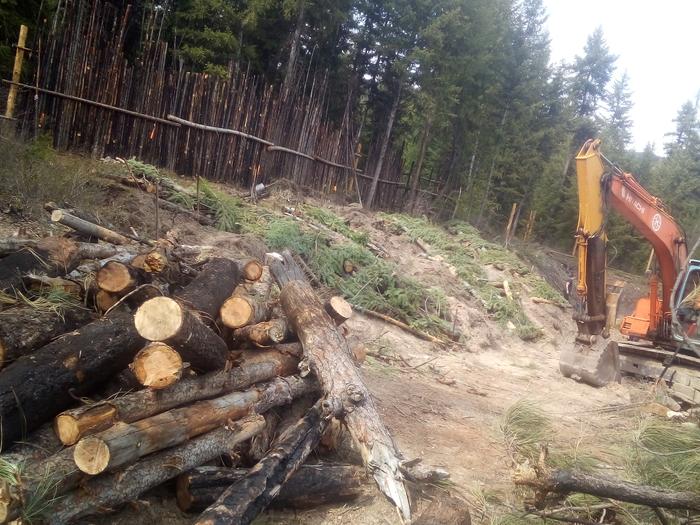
[{"x": 602, "y": 186}]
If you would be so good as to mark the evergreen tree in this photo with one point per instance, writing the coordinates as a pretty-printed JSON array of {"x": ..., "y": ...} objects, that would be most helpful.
[
  {"x": 592, "y": 72},
  {"x": 617, "y": 127}
]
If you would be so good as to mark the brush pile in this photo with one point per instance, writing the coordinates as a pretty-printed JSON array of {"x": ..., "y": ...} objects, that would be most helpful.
[{"x": 126, "y": 365}]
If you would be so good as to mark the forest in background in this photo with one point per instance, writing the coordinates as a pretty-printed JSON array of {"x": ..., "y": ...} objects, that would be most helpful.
[{"x": 464, "y": 89}]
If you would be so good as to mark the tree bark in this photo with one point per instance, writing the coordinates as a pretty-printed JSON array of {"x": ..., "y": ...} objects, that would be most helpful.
[
  {"x": 37, "y": 386},
  {"x": 165, "y": 320},
  {"x": 125, "y": 443},
  {"x": 256, "y": 367},
  {"x": 266, "y": 333},
  {"x": 88, "y": 228},
  {"x": 330, "y": 359},
  {"x": 25, "y": 329},
  {"x": 294, "y": 48},
  {"x": 244, "y": 500},
  {"x": 119, "y": 278},
  {"x": 310, "y": 486},
  {"x": 566, "y": 481},
  {"x": 382, "y": 152},
  {"x": 157, "y": 366},
  {"x": 425, "y": 139},
  {"x": 109, "y": 491},
  {"x": 212, "y": 286}
]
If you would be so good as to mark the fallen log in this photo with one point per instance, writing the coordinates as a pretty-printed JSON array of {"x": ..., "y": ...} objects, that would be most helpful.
[
  {"x": 241, "y": 502},
  {"x": 266, "y": 333},
  {"x": 118, "y": 278},
  {"x": 24, "y": 329},
  {"x": 109, "y": 491},
  {"x": 12, "y": 244},
  {"x": 157, "y": 366},
  {"x": 37, "y": 386},
  {"x": 212, "y": 286},
  {"x": 310, "y": 486},
  {"x": 339, "y": 309},
  {"x": 420, "y": 335},
  {"x": 567, "y": 481},
  {"x": 256, "y": 367},
  {"x": 125, "y": 443},
  {"x": 52, "y": 256},
  {"x": 330, "y": 359},
  {"x": 164, "y": 319},
  {"x": 42, "y": 282},
  {"x": 88, "y": 228}
]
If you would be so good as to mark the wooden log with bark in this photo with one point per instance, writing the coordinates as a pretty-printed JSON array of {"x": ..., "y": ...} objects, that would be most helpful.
[
  {"x": 88, "y": 228},
  {"x": 111, "y": 490},
  {"x": 267, "y": 333},
  {"x": 24, "y": 329},
  {"x": 37, "y": 386},
  {"x": 258, "y": 366},
  {"x": 118, "y": 278},
  {"x": 165, "y": 320},
  {"x": 330, "y": 359},
  {"x": 157, "y": 366},
  {"x": 212, "y": 286},
  {"x": 52, "y": 256},
  {"x": 568, "y": 481},
  {"x": 105, "y": 300},
  {"x": 125, "y": 443},
  {"x": 12, "y": 244},
  {"x": 311, "y": 486},
  {"x": 241, "y": 502},
  {"x": 248, "y": 304}
]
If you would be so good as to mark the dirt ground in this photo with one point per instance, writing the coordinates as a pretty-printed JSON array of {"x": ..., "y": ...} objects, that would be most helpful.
[{"x": 444, "y": 406}]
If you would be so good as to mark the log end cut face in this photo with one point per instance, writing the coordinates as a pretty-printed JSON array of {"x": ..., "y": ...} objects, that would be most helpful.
[
  {"x": 114, "y": 277},
  {"x": 252, "y": 270},
  {"x": 70, "y": 428},
  {"x": 236, "y": 312},
  {"x": 159, "y": 319},
  {"x": 157, "y": 366},
  {"x": 91, "y": 455}
]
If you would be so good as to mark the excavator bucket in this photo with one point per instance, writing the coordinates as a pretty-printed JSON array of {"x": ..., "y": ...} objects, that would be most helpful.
[{"x": 595, "y": 364}]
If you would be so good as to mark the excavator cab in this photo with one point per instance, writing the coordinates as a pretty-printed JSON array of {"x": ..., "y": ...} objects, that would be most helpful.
[{"x": 688, "y": 306}]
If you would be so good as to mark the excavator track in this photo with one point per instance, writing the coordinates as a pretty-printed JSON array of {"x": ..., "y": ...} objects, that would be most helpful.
[{"x": 644, "y": 360}]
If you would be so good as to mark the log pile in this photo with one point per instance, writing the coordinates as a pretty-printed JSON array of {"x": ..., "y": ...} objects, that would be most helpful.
[{"x": 160, "y": 370}]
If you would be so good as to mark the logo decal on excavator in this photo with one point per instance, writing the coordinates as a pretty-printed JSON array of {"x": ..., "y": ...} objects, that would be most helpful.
[{"x": 656, "y": 222}]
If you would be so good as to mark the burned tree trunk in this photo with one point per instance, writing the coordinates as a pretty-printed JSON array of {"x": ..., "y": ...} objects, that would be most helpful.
[
  {"x": 264, "y": 334},
  {"x": 212, "y": 286},
  {"x": 257, "y": 367},
  {"x": 245, "y": 499},
  {"x": 52, "y": 256},
  {"x": 310, "y": 486},
  {"x": 124, "y": 443},
  {"x": 37, "y": 386},
  {"x": 164, "y": 319},
  {"x": 25, "y": 329},
  {"x": 330, "y": 359},
  {"x": 109, "y": 491}
]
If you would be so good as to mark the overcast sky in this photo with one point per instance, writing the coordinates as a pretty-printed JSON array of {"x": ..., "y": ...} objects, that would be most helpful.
[{"x": 658, "y": 44}]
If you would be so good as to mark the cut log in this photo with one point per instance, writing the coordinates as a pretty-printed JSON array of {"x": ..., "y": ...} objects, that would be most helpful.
[
  {"x": 105, "y": 300},
  {"x": 349, "y": 266},
  {"x": 36, "y": 387},
  {"x": 125, "y": 443},
  {"x": 110, "y": 491},
  {"x": 119, "y": 278},
  {"x": 310, "y": 486},
  {"x": 88, "y": 228},
  {"x": 256, "y": 367},
  {"x": 567, "y": 481},
  {"x": 329, "y": 358},
  {"x": 212, "y": 286},
  {"x": 157, "y": 366},
  {"x": 155, "y": 262},
  {"x": 252, "y": 270},
  {"x": 266, "y": 333},
  {"x": 248, "y": 304},
  {"x": 339, "y": 309},
  {"x": 164, "y": 319},
  {"x": 24, "y": 329},
  {"x": 52, "y": 256},
  {"x": 241, "y": 502}
]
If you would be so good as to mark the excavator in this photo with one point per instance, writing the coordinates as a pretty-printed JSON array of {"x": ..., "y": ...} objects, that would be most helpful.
[{"x": 660, "y": 338}]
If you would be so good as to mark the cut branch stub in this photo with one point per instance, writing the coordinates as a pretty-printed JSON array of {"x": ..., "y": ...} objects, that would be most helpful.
[
  {"x": 165, "y": 320},
  {"x": 157, "y": 366}
]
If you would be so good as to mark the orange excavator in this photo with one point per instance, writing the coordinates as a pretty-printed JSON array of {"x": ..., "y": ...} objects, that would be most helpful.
[{"x": 661, "y": 333}]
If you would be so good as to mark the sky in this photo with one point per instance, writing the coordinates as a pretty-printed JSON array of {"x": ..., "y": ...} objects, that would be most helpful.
[{"x": 657, "y": 43}]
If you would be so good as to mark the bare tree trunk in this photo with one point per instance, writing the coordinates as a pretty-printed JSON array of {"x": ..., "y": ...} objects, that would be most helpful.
[
  {"x": 294, "y": 47},
  {"x": 425, "y": 139},
  {"x": 383, "y": 149}
]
